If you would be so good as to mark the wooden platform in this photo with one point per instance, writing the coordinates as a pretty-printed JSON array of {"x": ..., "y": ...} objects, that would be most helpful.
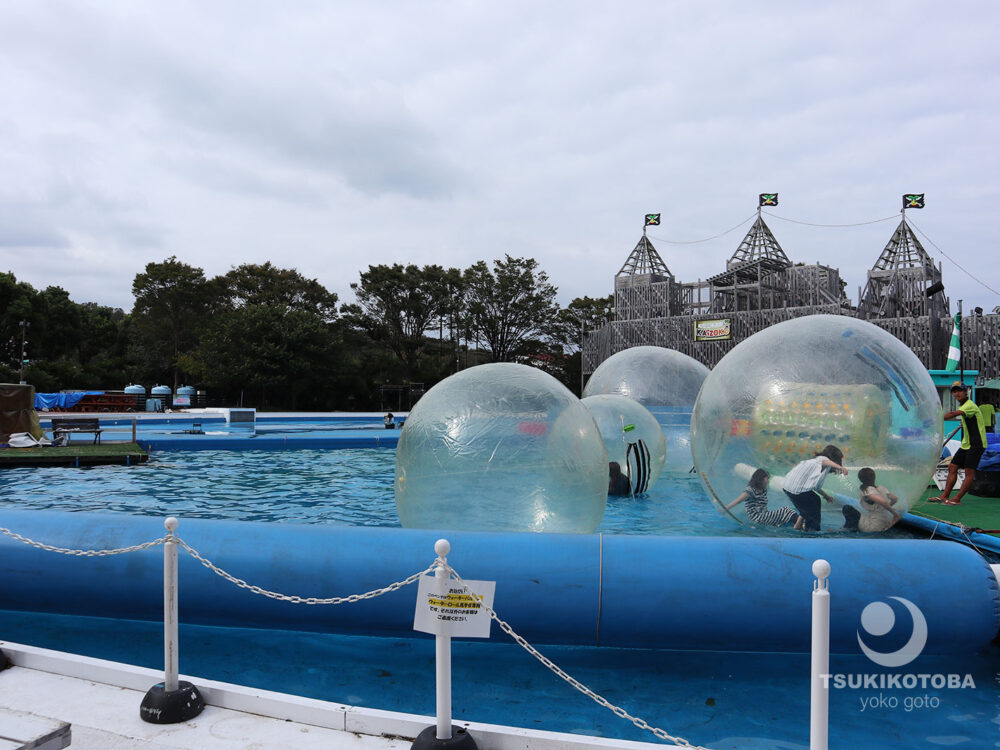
[{"x": 74, "y": 455}]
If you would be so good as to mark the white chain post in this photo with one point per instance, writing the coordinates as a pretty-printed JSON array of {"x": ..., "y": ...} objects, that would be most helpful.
[
  {"x": 170, "y": 657},
  {"x": 173, "y": 700},
  {"x": 441, "y": 736},
  {"x": 819, "y": 696},
  {"x": 442, "y": 645}
]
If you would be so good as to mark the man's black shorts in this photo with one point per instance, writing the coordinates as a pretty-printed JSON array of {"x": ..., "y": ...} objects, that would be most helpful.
[{"x": 967, "y": 458}]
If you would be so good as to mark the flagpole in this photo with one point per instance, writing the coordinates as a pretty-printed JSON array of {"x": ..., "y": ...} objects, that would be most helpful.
[{"x": 961, "y": 355}]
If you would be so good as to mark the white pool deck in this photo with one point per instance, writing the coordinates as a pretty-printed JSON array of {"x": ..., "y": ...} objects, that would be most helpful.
[{"x": 100, "y": 701}]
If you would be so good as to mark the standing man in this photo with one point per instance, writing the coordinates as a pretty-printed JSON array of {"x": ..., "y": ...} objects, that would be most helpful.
[{"x": 973, "y": 444}]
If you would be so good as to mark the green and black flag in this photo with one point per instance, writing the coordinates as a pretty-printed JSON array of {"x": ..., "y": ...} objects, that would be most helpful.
[
  {"x": 768, "y": 199},
  {"x": 913, "y": 201},
  {"x": 652, "y": 220}
]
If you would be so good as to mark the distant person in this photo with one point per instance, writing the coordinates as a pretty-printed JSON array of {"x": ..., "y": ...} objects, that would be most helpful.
[
  {"x": 618, "y": 483},
  {"x": 973, "y": 444},
  {"x": 877, "y": 513},
  {"x": 755, "y": 496},
  {"x": 389, "y": 421},
  {"x": 802, "y": 484}
]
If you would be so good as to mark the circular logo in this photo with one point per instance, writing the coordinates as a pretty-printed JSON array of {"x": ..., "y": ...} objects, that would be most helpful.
[{"x": 878, "y": 619}]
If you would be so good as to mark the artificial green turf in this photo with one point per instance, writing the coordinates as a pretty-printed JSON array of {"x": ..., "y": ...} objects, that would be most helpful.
[{"x": 974, "y": 512}]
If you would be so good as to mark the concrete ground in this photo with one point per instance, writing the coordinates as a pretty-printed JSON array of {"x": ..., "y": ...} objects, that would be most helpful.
[
  {"x": 100, "y": 700},
  {"x": 103, "y": 717}
]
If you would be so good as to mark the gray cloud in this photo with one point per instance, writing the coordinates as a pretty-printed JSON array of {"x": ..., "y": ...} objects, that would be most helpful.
[{"x": 330, "y": 136}]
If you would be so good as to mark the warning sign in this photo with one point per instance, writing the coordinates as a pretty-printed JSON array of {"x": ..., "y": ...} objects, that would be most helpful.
[{"x": 463, "y": 612}]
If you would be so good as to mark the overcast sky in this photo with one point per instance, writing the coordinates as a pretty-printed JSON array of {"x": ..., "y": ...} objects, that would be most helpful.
[{"x": 328, "y": 136}]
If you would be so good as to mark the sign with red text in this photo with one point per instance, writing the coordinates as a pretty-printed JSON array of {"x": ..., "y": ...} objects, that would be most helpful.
[{"x": 719, "y": 329}]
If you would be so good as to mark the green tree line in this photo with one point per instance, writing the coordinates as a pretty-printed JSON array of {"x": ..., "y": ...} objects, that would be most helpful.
[{"x": 269, "y": 337}]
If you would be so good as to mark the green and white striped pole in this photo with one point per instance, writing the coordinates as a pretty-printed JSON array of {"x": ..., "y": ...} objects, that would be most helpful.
[{"x": 955, "y": 347}]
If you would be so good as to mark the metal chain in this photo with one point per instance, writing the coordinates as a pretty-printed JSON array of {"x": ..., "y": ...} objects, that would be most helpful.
[
  {"x": 302, "y": 599},
  {"x": 600, "y": 700},
  {"x": 82, "y": 552},
  {"x": 597, "y": 698}
]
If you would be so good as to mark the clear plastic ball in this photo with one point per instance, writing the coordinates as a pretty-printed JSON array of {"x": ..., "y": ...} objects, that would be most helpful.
[
  {"x": 785, "y": 393},
  {"x": 664, "y": 381},
  {"x": 501, "y": 447},
  {"x": 632, "y": 437}
]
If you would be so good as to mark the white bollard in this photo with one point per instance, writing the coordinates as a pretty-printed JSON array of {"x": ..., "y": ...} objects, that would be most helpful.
[
  {"x": 440, "y": 736},
  {"x": 173, "y": 700},
  {"x": 819, "y": 695},
  {"x": 442, "y": 646},
  {"x": 170, "y": 659}
]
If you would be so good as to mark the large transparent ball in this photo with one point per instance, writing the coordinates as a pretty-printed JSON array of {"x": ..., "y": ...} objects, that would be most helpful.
[
  {"x": 664, "y": 381},
  {"x": 788, "y": 391},
  {"x": 501, "y": 447},
  {"x": 632, "y": 437}
]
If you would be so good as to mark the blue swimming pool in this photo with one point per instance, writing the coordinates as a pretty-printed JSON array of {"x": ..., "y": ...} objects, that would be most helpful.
[
  {"x": 728, "y": 701},
  {"x": 724, "y": 699},
  {"x": 350, "y": 486}
]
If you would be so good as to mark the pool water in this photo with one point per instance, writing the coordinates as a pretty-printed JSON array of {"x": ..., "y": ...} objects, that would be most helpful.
[
  {"x": 350, "y": 486},
  {"x": 728, "y": 701},
  {"x": 723, "y": 700}
]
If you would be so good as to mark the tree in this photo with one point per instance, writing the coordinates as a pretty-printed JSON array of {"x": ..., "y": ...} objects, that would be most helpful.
[
  {"x": 397, "y": 305},
  {"x": 171, "y": 302},
  {"x": 586, "y": 314},
  {"x": 282, "y": 356},
  {"x": 510, "y": 304},
  {"x": 582, "y": 315},
  {"x": 251, "y": 284},
  {"x": 273, "y": 333}
]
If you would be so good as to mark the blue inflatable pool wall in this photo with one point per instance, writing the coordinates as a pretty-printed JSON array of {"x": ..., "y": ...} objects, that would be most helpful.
[{"x": 690, "y": 593}]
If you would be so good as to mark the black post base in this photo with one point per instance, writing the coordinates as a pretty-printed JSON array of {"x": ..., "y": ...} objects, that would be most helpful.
[
  {"x": 162, "y": 707},
  {"x": 460, "y": 740}
]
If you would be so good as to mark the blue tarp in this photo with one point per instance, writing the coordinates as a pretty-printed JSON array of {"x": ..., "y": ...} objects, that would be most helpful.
[
  {"x": 990, "y": 461},
  {"x": 61, "y": 400}
]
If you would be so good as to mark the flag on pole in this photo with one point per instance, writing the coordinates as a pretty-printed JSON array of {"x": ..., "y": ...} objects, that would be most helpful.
[
  {"x": 767, "y": 199},
  {"x": 913, "y": 200},
  {"x": 955, "y": 348},
  {"x": 652, "y": 220}
]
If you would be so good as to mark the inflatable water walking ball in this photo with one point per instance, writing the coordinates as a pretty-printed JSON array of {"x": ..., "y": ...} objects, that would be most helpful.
[
  {"x": 788, "y": 391},
  {"x": 501, "y": 447},
  {"x": 664, "y": 381},
  {"x": 632, "y": 437}
]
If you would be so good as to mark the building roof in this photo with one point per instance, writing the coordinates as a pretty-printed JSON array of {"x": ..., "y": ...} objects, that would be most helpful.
[{"x": 644, "y": 260}]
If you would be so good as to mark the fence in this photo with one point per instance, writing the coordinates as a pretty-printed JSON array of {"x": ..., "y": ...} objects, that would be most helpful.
[
  {"x": 926, "y": 336},
  {"x": 175, "y": 701}
]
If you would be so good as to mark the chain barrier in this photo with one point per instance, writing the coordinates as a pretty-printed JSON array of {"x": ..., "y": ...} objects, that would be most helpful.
[
  {"x": 303, "y": 599},
  {"x": 596, "y": 697},
  {"x": 82, "y": 552},
  {"x": 544, "y": 660}
]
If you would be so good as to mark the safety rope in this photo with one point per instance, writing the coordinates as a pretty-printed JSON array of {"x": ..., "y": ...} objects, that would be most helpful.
[
  {"x": 831, "y": 226},
  {"x": 706, "y": 239},
  {"x": 957, "y": 264}
]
